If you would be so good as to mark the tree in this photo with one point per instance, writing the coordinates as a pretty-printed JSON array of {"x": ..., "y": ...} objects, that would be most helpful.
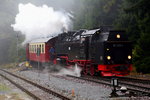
[
  {"x": 135, "y": 18},
  {"x": 95, "y": 13},
  {"x": 141, "y": 9}
]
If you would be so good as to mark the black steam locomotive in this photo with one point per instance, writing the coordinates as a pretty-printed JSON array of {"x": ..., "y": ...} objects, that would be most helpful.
[
  {"x": 99, "y": 51},
  {"x": 103, "y": 51}
]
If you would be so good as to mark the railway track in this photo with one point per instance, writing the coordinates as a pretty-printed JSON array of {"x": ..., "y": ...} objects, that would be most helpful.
[
  {"x": 20, "y": 87},
  {"x": 140, "y": 84},
  {"x": 143, "y": 81},
  {"x": 46, "y": 92},
  {"x": 137, "y": 86}
]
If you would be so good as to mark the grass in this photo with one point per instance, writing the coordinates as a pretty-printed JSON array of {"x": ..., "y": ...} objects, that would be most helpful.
[
  {"x": 4, "y": 87},
  {"x": 7, "y": 66}
]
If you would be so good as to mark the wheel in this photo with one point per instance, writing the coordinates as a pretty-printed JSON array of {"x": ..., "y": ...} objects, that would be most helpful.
[
  {"x": 92, "y": 70},
  {"x": 85, "y": 71}
]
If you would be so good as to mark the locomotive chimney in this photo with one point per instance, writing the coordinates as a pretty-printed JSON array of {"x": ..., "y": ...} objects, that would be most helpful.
[{"x": 64, "y": 30}]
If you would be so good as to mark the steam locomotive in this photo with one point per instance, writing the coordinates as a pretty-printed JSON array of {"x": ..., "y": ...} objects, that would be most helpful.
[{"x": 99, "y": 51}]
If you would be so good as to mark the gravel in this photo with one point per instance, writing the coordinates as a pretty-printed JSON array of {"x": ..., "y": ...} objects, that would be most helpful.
[
  {"x": 38, "y": 92},
  {"x": 83, "y": 90},
  {"x": 10, "y": 92}
]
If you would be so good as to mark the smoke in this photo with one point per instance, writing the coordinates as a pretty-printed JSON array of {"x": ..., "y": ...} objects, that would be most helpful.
[
  {"x": 75, "y": 71},
  {"x": 36, "y": 22}
]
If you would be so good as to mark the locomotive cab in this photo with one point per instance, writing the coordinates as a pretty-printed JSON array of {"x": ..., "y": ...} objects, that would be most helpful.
[{"x": 97, "y": 46}]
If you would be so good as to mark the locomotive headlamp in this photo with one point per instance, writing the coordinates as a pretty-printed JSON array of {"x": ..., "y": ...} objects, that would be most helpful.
[
  {"x": 107, "y": 49},
  {"x": 129, "y": 57},
  {"x": 108, "y": 57},
  {"x": 118, "y": 36}
]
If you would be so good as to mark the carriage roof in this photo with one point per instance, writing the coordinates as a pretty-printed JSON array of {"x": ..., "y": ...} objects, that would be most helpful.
[{"x": 41, "y": 40}]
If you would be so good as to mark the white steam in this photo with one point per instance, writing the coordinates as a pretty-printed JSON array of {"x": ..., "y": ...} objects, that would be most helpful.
[
  {"x": 37, "y": 22},
  {"x": 75, "y": 71}
]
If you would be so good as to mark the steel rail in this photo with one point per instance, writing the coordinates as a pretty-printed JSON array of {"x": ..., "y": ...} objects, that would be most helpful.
[
  {"x": 119, "y": 86},
  {"x": 39, "y": 86},
  {"x": 143, "y": 81},
  {"x": 20, "y": 87}
]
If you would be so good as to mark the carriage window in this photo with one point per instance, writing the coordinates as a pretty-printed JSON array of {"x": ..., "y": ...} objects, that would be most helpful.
[
  {"x": 34, "y": 48},
  {"x": 42, "y": 48},
  {"x": 37, "y": 48},
  {"x": 29, "y": 48},
  {"x": 82, "y": 39}
]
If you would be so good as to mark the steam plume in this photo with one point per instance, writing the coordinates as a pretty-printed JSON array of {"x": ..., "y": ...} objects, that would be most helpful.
[
  {"x": 43, "y": 21},
  {"x": 75, "y": 71}
]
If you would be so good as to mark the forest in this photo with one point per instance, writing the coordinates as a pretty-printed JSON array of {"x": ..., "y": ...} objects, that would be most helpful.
[{"x": 133, "y": 16}]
